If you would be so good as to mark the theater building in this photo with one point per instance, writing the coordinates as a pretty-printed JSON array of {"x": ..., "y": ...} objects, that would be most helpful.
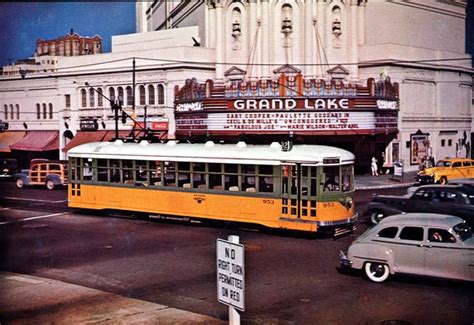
[
  {"x": 381, "y": 78},
  {"x": 359, "y": 118}
]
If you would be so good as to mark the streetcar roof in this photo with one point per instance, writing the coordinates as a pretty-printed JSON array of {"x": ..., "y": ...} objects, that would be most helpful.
[{"x": 211, "y": 152}]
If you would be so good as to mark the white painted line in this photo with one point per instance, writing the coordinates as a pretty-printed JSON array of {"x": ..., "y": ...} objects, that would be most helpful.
[
  {"x": 34, "y": 218},
  {"x": 23, "y": 279},
  {"x": 33, "y": 200}
]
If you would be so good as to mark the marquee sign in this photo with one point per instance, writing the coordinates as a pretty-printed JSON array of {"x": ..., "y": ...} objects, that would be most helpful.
[{"x": 282, "y": 122}]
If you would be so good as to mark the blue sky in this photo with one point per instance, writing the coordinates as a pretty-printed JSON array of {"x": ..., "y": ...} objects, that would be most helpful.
[{"x": 22, "y": 23}]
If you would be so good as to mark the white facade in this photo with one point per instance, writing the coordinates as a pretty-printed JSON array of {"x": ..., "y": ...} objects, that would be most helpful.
[
  {"x": 161, "y": 63},
  {"x": 419, "y": 44}
]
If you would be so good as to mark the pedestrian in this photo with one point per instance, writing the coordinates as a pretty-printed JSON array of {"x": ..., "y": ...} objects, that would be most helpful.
[{"x": 374, "y": 167}]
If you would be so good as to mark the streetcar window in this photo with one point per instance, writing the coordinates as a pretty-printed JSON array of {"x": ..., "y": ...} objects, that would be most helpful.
[
  {"x": 155, "y": 173},
  {"x": 265, "y": 184},
  {"x": 114, "y": 171},
  {"x": 102, "y": 172},
  {"x": 141, "y": 171},
  {"x": 215, "y": 168},
  {"x": 346, "y": 178},
  {"x": 331, "y": 181},
  {"x": 73, "y": 163},
  {"x": 127, "y": 171},
  {"x": 169, "y": 172},
  {"x": 231, "y": 168},
  {"x": 199, "y": 176},
  {"x": 87, "y": 171},
  {"x": 248, "y": 178}
]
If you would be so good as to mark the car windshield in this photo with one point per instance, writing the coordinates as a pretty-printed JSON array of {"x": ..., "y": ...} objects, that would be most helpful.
[
  {"x": 463, "y": 231},
  {"x": 443, "y": 163}
]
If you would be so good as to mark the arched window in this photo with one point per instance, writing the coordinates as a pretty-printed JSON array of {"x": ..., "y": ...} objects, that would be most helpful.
[
  {"x": 129, "y": 96},
  {"x": 38, "y": 111},
  {"x": 91, "y": 98},
  {"x": 50, "y": 111},
  {"x": 17, "y": 111},
  {"x": 141, "y": 91},
  {"x": 5, "y": 107},
  {"x": 112, "y": 94},
  {"x": 286, "y": 19},
  {"x": 120, "y": 95},
  {"x": 12, "y": 113},
  {"x": 44, "y": 111},
  {"x": 84, "y": 98},
  {"x": 161, "y": 95},
  {"x": 100, "y": 99},
  {"x": 236, "y": 19},
  {"x": 336, "y": 26},
  {"x": 151, "y": 95}
]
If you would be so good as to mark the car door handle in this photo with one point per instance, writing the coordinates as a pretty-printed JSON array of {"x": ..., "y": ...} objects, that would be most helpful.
[{"x": 421, "y": 245}]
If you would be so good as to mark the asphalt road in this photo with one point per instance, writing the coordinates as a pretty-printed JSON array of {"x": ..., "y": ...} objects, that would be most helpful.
[{"x": 290, "y": 277}]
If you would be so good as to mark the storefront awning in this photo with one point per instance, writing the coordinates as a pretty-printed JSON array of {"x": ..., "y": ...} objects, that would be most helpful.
[
  {"x": 85, "y": 137},
  {"x": 8, "y": 138},
  {"x": 38, "y": 141}
]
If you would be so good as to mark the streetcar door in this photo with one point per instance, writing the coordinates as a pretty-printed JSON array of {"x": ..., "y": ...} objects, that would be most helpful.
[
  {"x": 290, "y": 190},
  {"x": 308, "y": 194}
]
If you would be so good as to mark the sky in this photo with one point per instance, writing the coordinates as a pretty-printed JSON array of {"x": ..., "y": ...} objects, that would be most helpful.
[{"x": 22, "y": 23}]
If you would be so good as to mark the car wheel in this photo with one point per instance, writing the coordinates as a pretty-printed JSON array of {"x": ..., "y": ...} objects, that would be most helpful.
[
  {"x": 20, "y": 183},
  {"x": 443, "y": 180},
  {"x": 50, "y": 184},
  {"x": 376, "y": 272},
  {"x": 376, "y": 216}
]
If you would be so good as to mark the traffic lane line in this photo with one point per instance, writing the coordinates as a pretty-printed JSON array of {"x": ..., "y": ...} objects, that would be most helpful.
[
  {"x": 34, "y": 218},
  {"x": 33, "y": 200}
]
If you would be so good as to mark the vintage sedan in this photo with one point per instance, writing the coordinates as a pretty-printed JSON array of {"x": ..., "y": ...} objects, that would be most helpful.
[
  {"x": 417, "y": 243},
  {"x": 447, "y": 170},
  {"x": 456, "y": 200}
]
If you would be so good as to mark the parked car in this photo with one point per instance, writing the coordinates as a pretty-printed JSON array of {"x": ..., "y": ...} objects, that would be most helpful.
[
  {"x": 468, "y": 182},
  {"x": 457, "y": 200},
  {"x": 43, "y": 172},
  {"x": 8, "y": 168},
  {"x": 447, "y": 170},
  {"x": 416, "y": 243}
]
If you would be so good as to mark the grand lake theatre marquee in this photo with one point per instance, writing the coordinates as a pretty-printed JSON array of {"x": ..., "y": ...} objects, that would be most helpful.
[{"x": 360, "y": 118}]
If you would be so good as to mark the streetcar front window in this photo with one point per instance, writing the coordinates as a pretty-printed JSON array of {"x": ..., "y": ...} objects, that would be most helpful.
[
  {"x": 332, "y": 176},
  {"x": 347, "y": 183}
]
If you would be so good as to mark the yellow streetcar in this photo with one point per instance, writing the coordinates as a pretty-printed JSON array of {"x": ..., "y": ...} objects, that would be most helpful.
[{"x": 303, "y": 187}]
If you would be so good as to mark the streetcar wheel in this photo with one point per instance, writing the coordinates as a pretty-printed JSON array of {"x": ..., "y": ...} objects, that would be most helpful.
[
  {"x": 376, "y": 272},
  {"x": 20, "y": 183},
  {"x": 376, "y": 216},
  {"x": 443, "y": 180},
  {"x": 50, "y": 184}
]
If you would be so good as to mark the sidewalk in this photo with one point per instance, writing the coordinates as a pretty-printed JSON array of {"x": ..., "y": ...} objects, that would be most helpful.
[
  {"x": 32, "y": 300},
  {"x": 367, "y": 182}
]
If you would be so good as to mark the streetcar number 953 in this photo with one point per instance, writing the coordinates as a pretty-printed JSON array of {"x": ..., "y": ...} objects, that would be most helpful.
[{"x": 268, "y": 201}]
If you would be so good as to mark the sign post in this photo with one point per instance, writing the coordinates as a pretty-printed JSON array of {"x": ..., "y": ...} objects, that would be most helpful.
[{"x": 231, "y": 276}]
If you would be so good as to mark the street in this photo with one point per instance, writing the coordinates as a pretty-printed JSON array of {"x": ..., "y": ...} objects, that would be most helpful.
[{"x": 290, "y": 277}]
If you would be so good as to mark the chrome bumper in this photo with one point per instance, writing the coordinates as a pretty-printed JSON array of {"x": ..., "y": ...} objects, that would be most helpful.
[{"x": 344, "y": 260}]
